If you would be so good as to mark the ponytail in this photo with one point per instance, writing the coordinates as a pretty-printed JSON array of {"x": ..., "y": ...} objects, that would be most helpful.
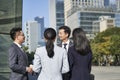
[
  {"x": 50, "y": 35},
  {"x": 50, "y": 48}
]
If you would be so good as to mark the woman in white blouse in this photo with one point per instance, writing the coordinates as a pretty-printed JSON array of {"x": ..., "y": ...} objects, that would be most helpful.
[{"x": 50, "y": 60}]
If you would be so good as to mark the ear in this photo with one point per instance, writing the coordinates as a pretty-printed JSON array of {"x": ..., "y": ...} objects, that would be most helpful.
[{"x": 66, "y": 34}]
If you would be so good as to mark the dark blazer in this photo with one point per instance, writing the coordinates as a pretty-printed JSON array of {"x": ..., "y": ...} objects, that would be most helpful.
[
  {"x": 70, "y": 44},
  {"x": 66, "y": 76},
  {"x": 80, "y": 66},
  {"x": 18, "y": 61}
]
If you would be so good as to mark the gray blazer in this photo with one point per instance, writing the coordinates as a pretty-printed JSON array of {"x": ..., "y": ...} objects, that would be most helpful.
[
  {"x": 18, "y": 61},
  {"x": 50, "y": 68}
]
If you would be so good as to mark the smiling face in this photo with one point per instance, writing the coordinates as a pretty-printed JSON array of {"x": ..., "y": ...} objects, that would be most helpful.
[
  {"x": 20, "y": 37},
  {"x": 62, "y": 35}
]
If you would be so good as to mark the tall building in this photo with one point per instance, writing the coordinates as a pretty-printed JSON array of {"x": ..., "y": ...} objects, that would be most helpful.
[
  {"x": 32, "y": 32},
  {"x": 40, "y": 20},
  {"x": 56, "y": 13},
  {"x": 103, "y": 23},
  {"x": 118, "y": 5},
  {"x": 106, "y": 3},
  {"x": 72, "y": 4},
  {"x": 10, "y": 16},
  {"x": 85, "y": 19}
]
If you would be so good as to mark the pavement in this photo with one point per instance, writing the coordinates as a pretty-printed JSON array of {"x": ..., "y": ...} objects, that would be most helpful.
[
  {"x": 106, "y": 72},
  {"x": 100, "y": 73}
]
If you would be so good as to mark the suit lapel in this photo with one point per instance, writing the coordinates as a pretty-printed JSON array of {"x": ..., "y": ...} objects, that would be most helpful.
[{"x": 22, "y": 53}]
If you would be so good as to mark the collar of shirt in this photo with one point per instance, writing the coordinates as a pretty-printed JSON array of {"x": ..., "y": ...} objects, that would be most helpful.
[{"x": 18, "y": 44}]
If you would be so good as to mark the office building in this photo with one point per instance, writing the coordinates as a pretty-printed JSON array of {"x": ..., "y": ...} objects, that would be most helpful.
[
  {"x": 73, "y": 4},
  {"x": 84, "y": 19},
  {"x": 56, "y": 13},
  {"x": 106, "y": 3},
  {"x": 103, "y": 23},
  {"x": 32, "y": 32},
  {"x": 40, "y": 20},
  {"x": 106, "y": 22},
  {"x": 118, "y": 5}
]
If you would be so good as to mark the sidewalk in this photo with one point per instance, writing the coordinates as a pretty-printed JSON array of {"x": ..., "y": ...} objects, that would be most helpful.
[{"x": 106, "y": 72}]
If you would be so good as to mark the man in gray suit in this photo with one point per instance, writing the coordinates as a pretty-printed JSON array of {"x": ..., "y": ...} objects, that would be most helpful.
[
  {"x": 64, "y": 33},
  {"x": 18, "y": 60}
]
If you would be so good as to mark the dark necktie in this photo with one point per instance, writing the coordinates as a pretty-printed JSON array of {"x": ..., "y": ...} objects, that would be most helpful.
[{"x": 65, "y": 45}]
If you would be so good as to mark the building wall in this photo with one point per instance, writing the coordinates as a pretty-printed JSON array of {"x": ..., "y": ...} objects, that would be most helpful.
[
  {"x": 52, "y": 13},
  {"x": 73, "y": 21},
  {"x": 40, "y": 20},
  {"x": 32, "y": 35},
  {"x": 84, "y": 19},
  {"x": 106, "y": 22},
  {"x": 56, "y": 13},
  {"x": 118, "y": 5},
  {"x": 70, "y": 4},
  {"x": 10, "y": 16}
]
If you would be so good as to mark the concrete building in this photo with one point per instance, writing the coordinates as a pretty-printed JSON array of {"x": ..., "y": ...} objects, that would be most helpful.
[
  {"x": 70, "y": 4},
  {"x": 106, "y": 22},
  {"x": 103, "y": 23},
  {"x": 84, "y": 19},
  {"x": 32, "y": 32}
]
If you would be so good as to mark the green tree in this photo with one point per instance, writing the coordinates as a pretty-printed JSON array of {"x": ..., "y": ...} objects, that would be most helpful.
[{"x": 106, "y": 43}]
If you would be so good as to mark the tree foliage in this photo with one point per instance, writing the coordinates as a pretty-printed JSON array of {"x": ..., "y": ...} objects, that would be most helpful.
[{"x": 107, "y": 42}]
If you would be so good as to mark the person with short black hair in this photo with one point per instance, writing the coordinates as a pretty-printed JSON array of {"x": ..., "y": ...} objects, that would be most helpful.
[
  {"x": 66, "y": 43},
  {"x": 18, "y": 60}
]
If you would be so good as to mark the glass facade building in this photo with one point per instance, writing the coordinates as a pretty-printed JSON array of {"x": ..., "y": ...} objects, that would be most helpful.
[
  {"x": 85, "y": 19},
  {"x": 40, "y": 20},
  {"x": 106, "y": 3},
  {"x": 10, "y": 16},
  {"x": 56, "y": 13}
]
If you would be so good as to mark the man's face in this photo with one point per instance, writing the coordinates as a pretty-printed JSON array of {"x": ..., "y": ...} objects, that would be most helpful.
[
  {"x": 20, "y": 37},
  {"x": 62, "y": 35}
]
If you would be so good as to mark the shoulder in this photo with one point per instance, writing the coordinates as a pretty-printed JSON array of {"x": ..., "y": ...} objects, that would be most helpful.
[
  {"x": 40, "y": 49},
  {"x": 13, "y": 46},
  {"x": 71, "y": 48},
  {"x": 58, "y": 47}
]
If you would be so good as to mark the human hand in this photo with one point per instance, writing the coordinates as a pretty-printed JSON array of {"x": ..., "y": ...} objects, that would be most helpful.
[{"x": 29, "y": 70}]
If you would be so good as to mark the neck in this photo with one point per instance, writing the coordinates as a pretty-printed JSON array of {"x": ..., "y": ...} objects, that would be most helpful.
[
  {"x": 65, "y": 40},
  {"x": 18, "y": 42}
]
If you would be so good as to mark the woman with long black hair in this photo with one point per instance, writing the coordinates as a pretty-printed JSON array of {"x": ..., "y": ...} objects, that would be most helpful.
[
  {"x": 80, "y": 56},
  {"x": 50, "y": 60}
]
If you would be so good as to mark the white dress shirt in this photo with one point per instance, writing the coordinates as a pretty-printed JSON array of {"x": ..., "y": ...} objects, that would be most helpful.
[{"x": 50, "y": 68}]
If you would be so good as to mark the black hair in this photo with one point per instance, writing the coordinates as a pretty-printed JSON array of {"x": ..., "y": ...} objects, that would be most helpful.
[
  {"x": 13, "y": 32},
  {"x": 66, "y": 30},
  {"x": 50, "y": 35},
  {"x": 81, "y": 43}
]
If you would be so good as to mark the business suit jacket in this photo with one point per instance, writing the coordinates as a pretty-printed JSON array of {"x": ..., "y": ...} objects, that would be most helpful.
[
  {"x": 80, "y": 66},
  {"x": 50, "y": 68},
  {"x": 70, "y": 44},
  {"x": 66, "y": 76},
  {"x": 18, "y": 61}
]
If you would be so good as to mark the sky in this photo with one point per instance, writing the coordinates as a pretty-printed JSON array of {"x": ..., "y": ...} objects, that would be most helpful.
[{"x": 33, "y": 8}]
